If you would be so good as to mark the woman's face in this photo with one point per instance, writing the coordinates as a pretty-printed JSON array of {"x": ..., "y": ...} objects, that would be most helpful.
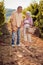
[{"x": 27, "y": 16}]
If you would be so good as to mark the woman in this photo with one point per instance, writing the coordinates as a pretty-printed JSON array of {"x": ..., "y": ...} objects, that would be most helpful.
[{"x": 28, "y": 22}]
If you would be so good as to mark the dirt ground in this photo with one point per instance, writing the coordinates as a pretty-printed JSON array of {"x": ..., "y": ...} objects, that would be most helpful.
[{"x": 26, "y": 54}]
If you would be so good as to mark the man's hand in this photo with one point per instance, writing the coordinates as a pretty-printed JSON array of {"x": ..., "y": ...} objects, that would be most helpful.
[{"x": 14, "y": 28}]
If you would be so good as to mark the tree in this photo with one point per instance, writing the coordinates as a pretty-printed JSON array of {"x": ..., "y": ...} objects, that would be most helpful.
[
  {"x": 41, "y": 18},
  {"x": 33, "y": 8},
  {"x": 2, "y": 14}
]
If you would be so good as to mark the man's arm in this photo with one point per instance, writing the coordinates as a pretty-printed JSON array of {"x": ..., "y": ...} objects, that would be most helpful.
[
  {"x": 22, "y": 22},
  {"x": 13, "y": 22}
]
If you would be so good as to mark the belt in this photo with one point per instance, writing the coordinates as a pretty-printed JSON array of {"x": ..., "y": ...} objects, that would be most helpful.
[{"x": 26, "y": 23}]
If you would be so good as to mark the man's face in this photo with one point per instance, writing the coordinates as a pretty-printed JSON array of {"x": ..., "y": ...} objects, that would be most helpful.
[{"x": 20, "y": 10}]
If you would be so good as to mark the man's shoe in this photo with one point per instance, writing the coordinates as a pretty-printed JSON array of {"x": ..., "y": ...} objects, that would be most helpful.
[
  {"x": 13, "y": 45},
  {"x": 18, "y": 45}
]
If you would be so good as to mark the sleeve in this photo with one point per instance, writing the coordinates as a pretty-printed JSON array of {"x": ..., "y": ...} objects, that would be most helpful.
[
  {"x": 12, "y": 16},
  {"x": 12, "y": 20}
]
